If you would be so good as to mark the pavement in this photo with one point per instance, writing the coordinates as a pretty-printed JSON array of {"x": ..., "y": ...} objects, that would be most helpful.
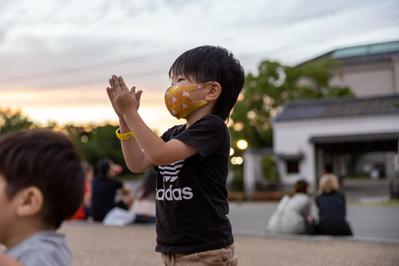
[
  {"x": 376, "y": 241},
  {"x": 368, "y": 222},
  {"x": 98, "y": 245}
]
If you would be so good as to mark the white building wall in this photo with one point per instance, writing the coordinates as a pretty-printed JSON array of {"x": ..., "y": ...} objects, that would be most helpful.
[
  {"x": 293, "y": 137},
  {"x": 396, "y": 72}
]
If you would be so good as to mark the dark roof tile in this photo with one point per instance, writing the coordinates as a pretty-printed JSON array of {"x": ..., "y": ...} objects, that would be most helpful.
[{"x": 341, "y": 107}]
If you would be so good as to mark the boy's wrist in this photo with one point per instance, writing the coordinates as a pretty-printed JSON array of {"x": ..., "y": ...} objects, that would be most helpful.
[
  {"x": 122, "y": 123},
  {"x": 130, "y": 116},
  {"x": 132, "y": 120}
]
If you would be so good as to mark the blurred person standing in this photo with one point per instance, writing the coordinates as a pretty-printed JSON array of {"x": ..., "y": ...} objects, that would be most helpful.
[{"x": 84, "y": 210}]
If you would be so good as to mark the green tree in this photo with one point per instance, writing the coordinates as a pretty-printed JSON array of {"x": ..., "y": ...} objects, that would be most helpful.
[
  {"x": 96, "y": 142},
  {"x": 13, "y": 121},
  {"x": 275, "y": 85}
]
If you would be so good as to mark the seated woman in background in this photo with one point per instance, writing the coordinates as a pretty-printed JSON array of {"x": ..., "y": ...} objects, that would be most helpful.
[
  {"x": 144, "y": 203},
  {"x": 292, "y": 211},
  {"x": 107, "y": 191},
  {"x": 332, "y": 208}
]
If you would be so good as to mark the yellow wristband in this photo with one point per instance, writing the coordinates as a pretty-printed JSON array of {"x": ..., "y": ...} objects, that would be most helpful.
[{"x": 124, "y": 136}]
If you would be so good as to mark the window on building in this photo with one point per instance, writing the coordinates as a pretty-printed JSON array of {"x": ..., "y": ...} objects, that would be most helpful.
[{"x": 292, "y": 166}]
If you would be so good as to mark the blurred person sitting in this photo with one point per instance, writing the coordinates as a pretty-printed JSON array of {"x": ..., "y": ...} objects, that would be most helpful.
[
  {"x": 292, "y": 211},
  {"x": 332, "y": 208},
  {"x": 329, "y": 170},
  {"x": 84, "y": 210},
  {"x": 144, "y": 203},
  {"x": 107, "y": 191},
  {"x": 142, "y": 210}
]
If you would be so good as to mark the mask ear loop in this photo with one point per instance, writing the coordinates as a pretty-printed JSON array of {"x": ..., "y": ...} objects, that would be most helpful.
[{"x": 205, "y": 84}]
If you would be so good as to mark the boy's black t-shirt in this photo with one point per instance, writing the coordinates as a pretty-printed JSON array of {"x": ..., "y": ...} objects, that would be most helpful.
[{"x": 191, "y": 197}]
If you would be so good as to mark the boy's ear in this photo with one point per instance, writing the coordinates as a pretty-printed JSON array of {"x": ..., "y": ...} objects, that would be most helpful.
[
  {"x": 214, "y": 92},
  {"x": 29, "y": 201}
]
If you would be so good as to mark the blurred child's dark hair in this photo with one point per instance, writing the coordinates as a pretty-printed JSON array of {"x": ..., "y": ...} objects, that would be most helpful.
[
  {"x": 213, "y": 63},
  {"x": 46, "y": 160},
  {"x": 102, "y": 168}
]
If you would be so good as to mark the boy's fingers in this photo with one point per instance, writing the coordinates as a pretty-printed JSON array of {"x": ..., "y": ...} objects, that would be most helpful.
[
  {"x": 109, "y": 92},
  {"x": 133, "y": 90},
  {"x": 116, "y": 83},
  {"x": 122, "y": 84},
  {"x": 111, "y": 83},
  {"x": 138, "y": 95}
]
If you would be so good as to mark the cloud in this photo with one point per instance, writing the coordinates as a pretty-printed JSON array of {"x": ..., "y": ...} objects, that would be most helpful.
[{"x": 76, "y": 45}]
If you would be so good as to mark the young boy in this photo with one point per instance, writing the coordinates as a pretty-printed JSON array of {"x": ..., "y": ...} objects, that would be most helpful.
[
  {"x": 41, "y": 185},
  {"x": 191, "y": 160}
]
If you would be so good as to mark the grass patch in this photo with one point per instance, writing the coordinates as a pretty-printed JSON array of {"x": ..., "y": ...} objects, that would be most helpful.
[{"x": 388, "y": 203}]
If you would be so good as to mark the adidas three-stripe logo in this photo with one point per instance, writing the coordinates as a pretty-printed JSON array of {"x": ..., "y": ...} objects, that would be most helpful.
[{"x": 171, "y": 172}]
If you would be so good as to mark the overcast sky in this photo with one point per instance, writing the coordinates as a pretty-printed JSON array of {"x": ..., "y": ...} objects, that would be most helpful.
[{"x": 56, "y": 56}]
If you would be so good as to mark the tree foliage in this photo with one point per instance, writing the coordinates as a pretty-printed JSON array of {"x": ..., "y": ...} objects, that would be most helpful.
[
  {"x": 11, "y": 120},
  {"x": 273, "y": 86},
  {"x": 96, "y": 142},
  {"x": 93, "y": 141}
]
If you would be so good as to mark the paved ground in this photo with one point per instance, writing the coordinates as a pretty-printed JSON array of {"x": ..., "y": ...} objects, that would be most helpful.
[
  {"x": 363, "y": 189},
  {"x": 97, "y": 245},
  {"x": 374, "y": 222},
  {"x": 376, "y": 239}
]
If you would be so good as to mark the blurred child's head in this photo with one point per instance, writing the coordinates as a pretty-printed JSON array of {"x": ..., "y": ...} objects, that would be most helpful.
[
  {"x": 216, "y": 65},
  {"x": 106, "y": 168},
  {"x": 41, "y": 180}
]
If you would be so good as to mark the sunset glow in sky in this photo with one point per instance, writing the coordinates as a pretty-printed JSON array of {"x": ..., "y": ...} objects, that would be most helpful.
[{"x": 56, "y": 56}]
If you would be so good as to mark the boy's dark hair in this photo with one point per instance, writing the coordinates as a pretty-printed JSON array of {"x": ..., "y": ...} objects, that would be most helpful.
[
  {"x": 49, "y": 161},
  {"x": 212, "y": 63}
]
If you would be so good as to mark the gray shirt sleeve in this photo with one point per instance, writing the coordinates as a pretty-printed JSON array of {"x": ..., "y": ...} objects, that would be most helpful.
[
  {"x": 43, "y": 249},
  {"x": 41, "y": 259}
]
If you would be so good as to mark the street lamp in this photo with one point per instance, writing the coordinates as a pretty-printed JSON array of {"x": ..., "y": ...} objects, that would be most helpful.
[
  {"x": 242, "y": 144},
  {"x": 238, "y": 160}
]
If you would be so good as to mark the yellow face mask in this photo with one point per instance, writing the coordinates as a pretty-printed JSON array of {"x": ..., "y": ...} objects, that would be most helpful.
[{"x": 183, "y": 100}]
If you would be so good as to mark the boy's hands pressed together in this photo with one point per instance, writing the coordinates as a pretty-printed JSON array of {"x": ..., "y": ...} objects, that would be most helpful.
[
  {"x": 147, "y": 149},
  {"x": 123, "y": 100}
]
